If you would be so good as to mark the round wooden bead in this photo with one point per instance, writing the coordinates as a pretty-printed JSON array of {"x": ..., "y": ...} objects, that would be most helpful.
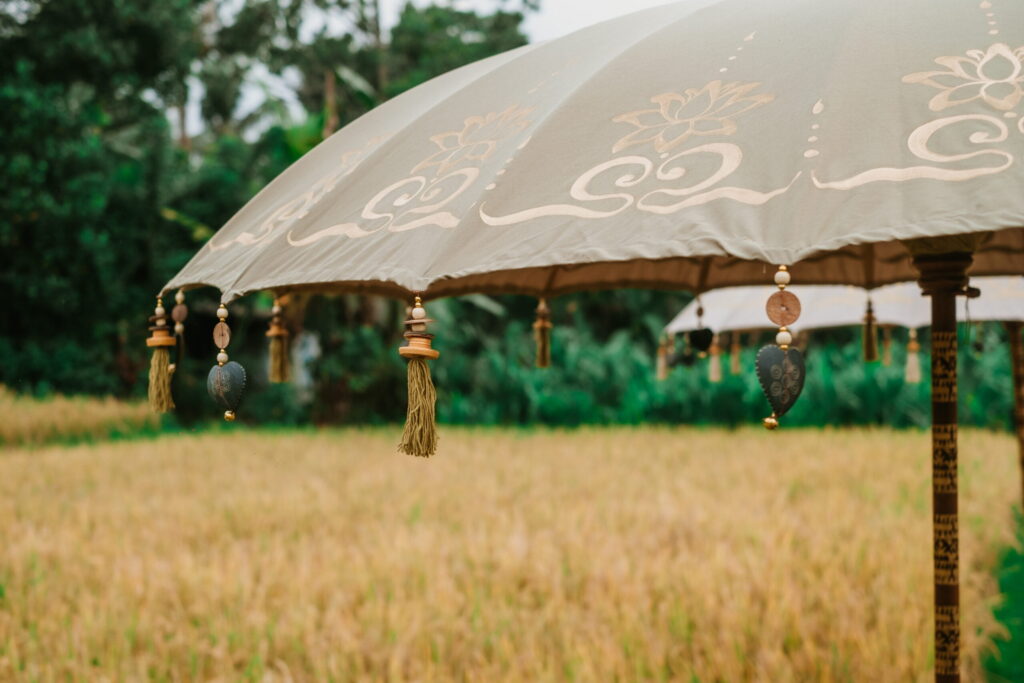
[
  {"x": 783, "y": 308},
  {"x": 222, "y": 335},
  {"x": 222, "y": 312},
  {"x": 179, "y": 298},
  {"x": 782, "y": 278},
  {"x": 783, "y": 338},
  {"x": 222, "y": 358}
]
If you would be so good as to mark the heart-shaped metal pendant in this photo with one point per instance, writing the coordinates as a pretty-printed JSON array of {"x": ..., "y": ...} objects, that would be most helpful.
[
  {"x": 226, "y": 385},
  {"x": 781, "y": 373},
  {"x": 701, "y": 339}
]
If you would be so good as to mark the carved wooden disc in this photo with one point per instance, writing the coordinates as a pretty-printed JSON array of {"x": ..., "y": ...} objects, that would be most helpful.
[
  {"x": 783, "y": 308},
  {"x": 179, "y": 313},
  {"x": 222, "y": 335}
]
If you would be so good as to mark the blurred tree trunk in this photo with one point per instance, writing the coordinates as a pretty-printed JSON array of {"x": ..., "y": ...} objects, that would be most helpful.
[
  {"x": 331, "y": 119},
  {"x": 184, "y": 141},
  {"x": 382, "y": 64}
]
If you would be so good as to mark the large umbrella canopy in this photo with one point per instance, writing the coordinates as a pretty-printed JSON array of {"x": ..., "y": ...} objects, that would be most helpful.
[
  {"x": 686, "y": 146},
  {"x": 901, "y": 305},
  {"x": 683, "y": 146}
]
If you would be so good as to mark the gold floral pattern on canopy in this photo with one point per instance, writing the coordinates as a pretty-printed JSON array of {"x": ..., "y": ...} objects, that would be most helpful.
[
  {"x": 995, "y": 76},
  {"x": 298, "y": 207},
  {"x": 477, "y": 141},
  {"x": 425, "y": 196},
  {"x": 679, "y": 116},
  {"x": 652, "y": 180}
]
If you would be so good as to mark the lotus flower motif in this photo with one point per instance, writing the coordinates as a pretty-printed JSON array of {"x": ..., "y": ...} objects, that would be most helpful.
[
  {"x": 995, "y": 76},
  {"x": 707, "y": 111},
  {"x": 477, "y": 141}
]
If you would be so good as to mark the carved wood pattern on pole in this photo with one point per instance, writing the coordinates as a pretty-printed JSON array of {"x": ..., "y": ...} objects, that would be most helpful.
[{"x": 943, "y": 277}]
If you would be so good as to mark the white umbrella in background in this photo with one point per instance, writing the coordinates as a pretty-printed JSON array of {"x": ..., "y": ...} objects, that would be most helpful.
[
  {"x": 901, "y": 305},
  {"x": 740, "y": 309}
]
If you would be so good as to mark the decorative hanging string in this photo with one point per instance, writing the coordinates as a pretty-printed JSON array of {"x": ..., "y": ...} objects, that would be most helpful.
[
  {"x": 227, "y": 379},
  {"x": 912, "y": 374},
  {"x": 887, "y": 345},
  {"x": 780, "y": 369},
  {"x": 160, "y": 369},
  {"x": 715, "y": 362},
  {"x": 179, "y": 314},
  {"x": 280, "y": 368},
  {"x": 419, "y": 437},
  {"x": 735, "y": 349},
  {"x": 542, "y": 334},
  {"x": 664, "y": 348},
  {"x": 870, "y": 335}
]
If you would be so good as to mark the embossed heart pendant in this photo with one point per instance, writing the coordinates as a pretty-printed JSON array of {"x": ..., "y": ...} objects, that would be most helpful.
[
  {"x": 701, "y": 339},
  {"x": 781, "y": 373},
  {"x": 226, "y": 386}
]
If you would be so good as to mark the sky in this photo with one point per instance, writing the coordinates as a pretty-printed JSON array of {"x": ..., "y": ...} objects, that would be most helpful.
[{"x": 555, "y": 18}]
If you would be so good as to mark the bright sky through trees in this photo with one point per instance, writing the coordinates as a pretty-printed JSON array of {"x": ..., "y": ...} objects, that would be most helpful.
[{"x": 555, "y": 18}]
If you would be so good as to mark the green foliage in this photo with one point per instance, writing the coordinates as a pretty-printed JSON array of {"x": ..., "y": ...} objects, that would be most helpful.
[
  {"x": 430, "y": 41},
  {"x": 1007, "y": 662},
  {"x": 79, "y": 218}
]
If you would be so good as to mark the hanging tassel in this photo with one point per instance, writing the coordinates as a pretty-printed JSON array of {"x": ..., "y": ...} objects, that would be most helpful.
[
  {"x": 913, "y": 370},
  {"x": 280, "y": 368},
  {"x": 542, "y": 334},
  {"x": 734, "y": 354},
  {"x": 661, "y": 368},
  {"x": 420, "y": 435},
  {"x": 870, "y": 335},
  {"x": 715, "y": 362},
  {"x": 887, "y": 346},
  {"x": 160, "y": 369}
]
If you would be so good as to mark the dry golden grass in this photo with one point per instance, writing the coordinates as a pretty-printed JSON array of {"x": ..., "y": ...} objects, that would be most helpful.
[
  {"x": 595, "y": 555},
  {"x": 28, "y": 420}
]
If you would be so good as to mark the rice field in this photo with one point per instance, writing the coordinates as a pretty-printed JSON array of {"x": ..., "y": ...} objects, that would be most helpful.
[
  {"x": 594, "y": 555},
  {"x": 28, "y": 421}
]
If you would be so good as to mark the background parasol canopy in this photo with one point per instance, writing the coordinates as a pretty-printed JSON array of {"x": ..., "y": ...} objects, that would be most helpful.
[
  {"x": 682, "y": 146},
  {"x": 901, "y": 305}
]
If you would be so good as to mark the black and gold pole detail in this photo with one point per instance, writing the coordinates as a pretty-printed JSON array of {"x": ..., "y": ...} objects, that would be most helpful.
[{"x": 943, "y": 276}]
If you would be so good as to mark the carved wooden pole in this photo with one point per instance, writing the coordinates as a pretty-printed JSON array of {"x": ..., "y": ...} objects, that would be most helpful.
[
  {"x": 943, "y": 277},
  {"x": 1017, "y": 360}
]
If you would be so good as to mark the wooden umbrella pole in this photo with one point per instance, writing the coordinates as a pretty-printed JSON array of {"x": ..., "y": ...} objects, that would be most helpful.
[
  {"x": 943, "y": 277},
  {"x": 1017, "y": 360}
]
